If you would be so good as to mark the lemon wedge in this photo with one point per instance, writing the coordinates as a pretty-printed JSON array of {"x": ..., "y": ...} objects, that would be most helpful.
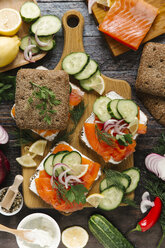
[
  {"x": 26, "y": 161},
  {"x": 79, "y": 170},
  {"x": 133, "y": 126},
  {"x": 10, "y": 21},
  {"x": 94, "y": 199},
  {"x": 98, "y": 84},
  {"x": 38, "y": 147},
  {"x": 75, "y": 237},
  {"x": 107, "y": 3}
]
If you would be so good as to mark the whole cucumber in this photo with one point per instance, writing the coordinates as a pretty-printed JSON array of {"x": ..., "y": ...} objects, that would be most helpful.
[{"x": 106, "y": 233}]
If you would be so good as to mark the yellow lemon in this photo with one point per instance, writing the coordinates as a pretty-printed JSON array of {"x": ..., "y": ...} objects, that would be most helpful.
[
  {"x": 10, "y": 21},
  {"x": 9, "y": 47},
  {"x": 94, "y": 199}
]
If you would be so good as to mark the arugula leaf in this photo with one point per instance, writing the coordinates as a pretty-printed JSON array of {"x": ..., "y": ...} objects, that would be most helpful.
[
  {"x": 77, "y": 112},
  {"x": 7, "y": 87},
  {"x": 105, "y": 137}
]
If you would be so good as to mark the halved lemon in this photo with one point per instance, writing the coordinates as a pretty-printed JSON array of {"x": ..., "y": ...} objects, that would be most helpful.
[
  {"x": 107, "y": 3},
  {"x": 79, "y": 170},
  {"x": 133, "y": 126},
  {"x": 26, "y": 161},
  {"x": 10, "y": 21},
  {"x": 75, "y": 237},
  {"x": 94, "y": 199},
  {"x": 38, "y": 147},
  {"x": 97, "y": 84}
]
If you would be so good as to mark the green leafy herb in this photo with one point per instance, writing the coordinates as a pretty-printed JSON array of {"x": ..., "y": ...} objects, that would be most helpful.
[
  {"x": 47, "y": 100},
  {"x": 129, "y": 202},
  {"x": 77, "y": 112},
  {"x": 7, "y": 87},
  {"x": 105, "y": 137},
  {"x": 160, "y": 148},
  {"x": 125, "y": 139},
  {"x": 23, "y": 137},
  {"x": 76, "y": 193}
]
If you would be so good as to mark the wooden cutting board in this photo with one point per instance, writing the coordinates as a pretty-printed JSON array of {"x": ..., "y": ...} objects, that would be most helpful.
[
  {"x": 157, "y": 28},
  {"x": 24, "y": 30},
  {"x": 73, "y": 42}
]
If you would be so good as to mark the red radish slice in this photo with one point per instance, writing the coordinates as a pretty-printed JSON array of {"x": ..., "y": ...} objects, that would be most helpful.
[
  {"x": 161, "y": 168},
  {"x": 156, "y": 164},
  {"x": 4, "y": 137}
]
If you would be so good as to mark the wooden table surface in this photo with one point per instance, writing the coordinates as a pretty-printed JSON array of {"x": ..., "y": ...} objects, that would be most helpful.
[{"x": 123, "y": 67}]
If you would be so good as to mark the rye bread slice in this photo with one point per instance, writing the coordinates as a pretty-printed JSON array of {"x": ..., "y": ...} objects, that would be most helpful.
[
  {"x": 151, "y": 73},
  {"x": 155, "y": 105},
  {"x": 26, "y": 115}
]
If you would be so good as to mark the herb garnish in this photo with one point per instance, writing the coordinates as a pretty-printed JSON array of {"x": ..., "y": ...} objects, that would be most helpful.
[
  {"x": 77, "y": 112},
  {"x": 23, "y": 136},
  {"x": 124, "y": 140},
  {"x": 160, "y": 149},
  {"x": 7, "y": 87},
  {"x": 47, "y": 101},
  {"x": 105, "y": 137},
  {"x": 75, "y": 193}
]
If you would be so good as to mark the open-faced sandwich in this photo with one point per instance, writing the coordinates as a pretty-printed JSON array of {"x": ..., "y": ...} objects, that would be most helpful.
[
  {"x": 113, "y": 126},
  {"x": 64, "y": 178},
  {"x": 58, "y": 84}
]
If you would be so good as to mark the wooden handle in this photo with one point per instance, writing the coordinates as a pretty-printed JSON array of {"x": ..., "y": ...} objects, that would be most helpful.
[
  {"x": 73, "y": 24},
  {"x": 17, "y": 181},
  {"x": 7, "y": 229}
]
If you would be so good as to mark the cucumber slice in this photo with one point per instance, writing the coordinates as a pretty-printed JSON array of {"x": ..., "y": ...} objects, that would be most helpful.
[
  {"x": 134, "y": 174},
  {"x": 88, "y": 71},
  {"x": 112, "y": 198},
  {"x": 73, "y": 158},
  {"x": 48, "y": 164},
  {"x": 49, "y": 40},
  {"x": 112, "y": 109},
  {"x": 30, "y": 12},
  {"x": 75, "y": 62},
  {"x": 46, "y": 25},
  {"x": 124, "y": 180},
  {"x": 85, "y": 84},
  {"x": 127, "y": 109},
  {"x": 57, "y": 159},
  {"x": 100, "y": 108},
  {"x": 25, "y": 43}
]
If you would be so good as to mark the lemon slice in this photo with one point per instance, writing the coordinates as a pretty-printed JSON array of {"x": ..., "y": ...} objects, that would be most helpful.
[
  {"x": 26, "y": 161},
  {"x": 75, "y": 237},
  {"x": 94, "y": 199},
  {"x": 38, "y": 147},
  {"x": 97, "y": 84},
  {"x": 10, "y": 21},
  {"x": 79, "y": 170},
  {"x": 133, "y": 126},
  {"x": 107, "y": 3}
]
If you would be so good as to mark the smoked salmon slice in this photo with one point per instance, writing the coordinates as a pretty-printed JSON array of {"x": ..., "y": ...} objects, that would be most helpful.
[
  {"x": 50, "y": 195},
  {"x": 128, "y": 21}
]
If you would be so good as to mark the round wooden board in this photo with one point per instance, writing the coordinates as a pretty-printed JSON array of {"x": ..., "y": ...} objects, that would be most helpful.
[
  {"x": 73, "y": 42},
  {"x": 24, "y": 30}
]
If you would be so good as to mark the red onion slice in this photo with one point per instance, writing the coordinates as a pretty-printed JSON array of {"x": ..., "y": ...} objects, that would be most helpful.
[
  {"x": 90, "y": 4},
  {"x": 63, "y": 174},
  {"x": 26, "y": 52},
  {"x": 73, "y": 179},
  {"x": 4, "y": 137},
  {"x": 41, "y": 43},
  {"x": 59, "y": 165}
]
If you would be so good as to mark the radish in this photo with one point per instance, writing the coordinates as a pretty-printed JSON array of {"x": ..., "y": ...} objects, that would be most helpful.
[
  {"x": 4, "y": 137},
  {"x": 4, "y": 167},
  {"x": 156, "y": 164}
]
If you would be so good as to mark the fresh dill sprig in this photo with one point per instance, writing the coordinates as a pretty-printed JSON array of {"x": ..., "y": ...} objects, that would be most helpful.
[
  {"x": 47, "y": 100},
  {"x": 23, "y": 137},
  {"x": 105, "y": 137},
  {"x": 160, "y": 148},
  {"x": 7, "y": 87},
  {"x": 77, "y": 112}
]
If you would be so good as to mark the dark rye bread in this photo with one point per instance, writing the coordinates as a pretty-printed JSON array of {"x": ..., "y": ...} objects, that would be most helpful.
[
  {"x": 26, "y": 115},
  {"x": 151, "y": 73},
  {"x": 155, "y": 105}
]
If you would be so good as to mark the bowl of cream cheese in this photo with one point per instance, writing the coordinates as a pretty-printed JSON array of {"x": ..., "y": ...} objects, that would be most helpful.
[{"x": 43, "y": 231}]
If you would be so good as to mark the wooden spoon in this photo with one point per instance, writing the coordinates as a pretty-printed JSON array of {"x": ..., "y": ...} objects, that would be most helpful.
[{"x": 22, "y": 234}]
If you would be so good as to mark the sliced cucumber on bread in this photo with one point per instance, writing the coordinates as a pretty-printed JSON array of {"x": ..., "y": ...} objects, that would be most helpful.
[
  {"x": 72, "y": 158},
  {"x": 30, "y": 12},
  {"x": 134, "y": 174},
  {"x": 112, "y": 109},
  {"x": 100, "y": 108},
  {"x": 46, "y": 25},
  {"x": 127, "y": 109},
  {"x": 88, "y": 71},
  {"x": 75, "y": 62},
  {"x": 48, "y": 164}
]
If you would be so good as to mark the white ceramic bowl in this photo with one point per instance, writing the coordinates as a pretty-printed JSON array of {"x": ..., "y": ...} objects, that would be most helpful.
[
  {"x": 14, "y": 212},
  {"x": 40, "y": 221}
]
